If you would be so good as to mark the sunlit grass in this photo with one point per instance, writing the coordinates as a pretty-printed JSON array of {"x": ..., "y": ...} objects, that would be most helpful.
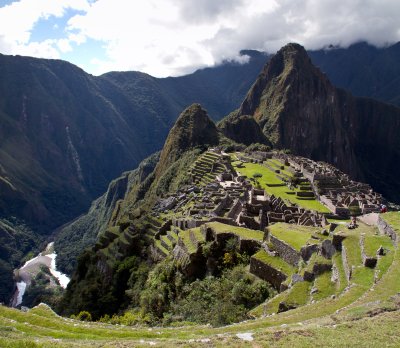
[{"x": 269, "y": 178}]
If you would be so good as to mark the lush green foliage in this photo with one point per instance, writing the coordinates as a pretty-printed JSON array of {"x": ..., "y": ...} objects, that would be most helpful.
[{"x": 219, "y": 301}]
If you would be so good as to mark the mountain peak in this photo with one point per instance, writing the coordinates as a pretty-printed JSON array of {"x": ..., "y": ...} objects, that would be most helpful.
[
  {"x": 192, "y": 128},
  {"x": 287, "y": 75}
]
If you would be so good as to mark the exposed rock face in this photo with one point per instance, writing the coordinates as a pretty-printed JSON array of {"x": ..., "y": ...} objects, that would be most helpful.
[{"x": 299, "y": 109}]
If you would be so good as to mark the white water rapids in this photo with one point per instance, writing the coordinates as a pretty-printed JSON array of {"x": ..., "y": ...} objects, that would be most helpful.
[{"x": 31, "y": 268}]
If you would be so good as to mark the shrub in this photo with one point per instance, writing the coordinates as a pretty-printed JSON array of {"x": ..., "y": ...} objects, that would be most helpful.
[
  {"x": 84, "y": 316},
  {"x": 219, "y": 301}
]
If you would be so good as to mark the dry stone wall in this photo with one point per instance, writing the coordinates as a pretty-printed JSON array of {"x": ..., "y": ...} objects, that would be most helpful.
[
  {"x": 267, "y": 273},
  {"x": 285, "y": 251}
]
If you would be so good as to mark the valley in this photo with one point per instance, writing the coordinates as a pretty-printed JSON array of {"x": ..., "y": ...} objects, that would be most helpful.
[{"x": 267, "y": 225}]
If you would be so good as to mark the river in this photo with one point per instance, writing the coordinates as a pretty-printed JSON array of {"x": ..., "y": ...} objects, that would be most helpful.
[{"x": 31, "y": 268}]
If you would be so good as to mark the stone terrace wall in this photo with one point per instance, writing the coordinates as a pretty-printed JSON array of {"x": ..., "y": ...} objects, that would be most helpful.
[
  {"x": 236, "y": 209},
  {"x": 385, "y": 228},
  {"x": 346, "y": 267},
  {"x": 267, "y": 273},
  {"x": 308, "y": 250},
  {"x": 285, "y": 251}
]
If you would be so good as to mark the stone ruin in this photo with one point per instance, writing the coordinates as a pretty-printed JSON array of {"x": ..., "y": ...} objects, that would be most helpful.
[
  {"x": 233, "y": 198},
  {"x": 335, "y": 189}
]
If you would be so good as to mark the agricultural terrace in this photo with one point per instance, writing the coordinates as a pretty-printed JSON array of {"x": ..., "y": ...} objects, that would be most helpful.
[
  {"x": 370, "y": 296},
  {"x": 295, "y": 235},
  {"x": 275, "y": 186},
  {"x": 241, "y": 232}
]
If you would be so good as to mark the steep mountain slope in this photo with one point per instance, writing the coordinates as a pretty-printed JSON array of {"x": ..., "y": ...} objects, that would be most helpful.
[
  {"x": 71, "y": 240},
  {"x": 362, "y": 69},
  {"x": 219, "y": 89},
  {"x": 299, "y": 109},
  {"x": 64, "y": 134},
  {"x": 125, "y": 234}
]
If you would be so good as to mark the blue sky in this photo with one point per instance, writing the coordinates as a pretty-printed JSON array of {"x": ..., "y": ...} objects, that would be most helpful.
[{"x": 175, "y": 37}]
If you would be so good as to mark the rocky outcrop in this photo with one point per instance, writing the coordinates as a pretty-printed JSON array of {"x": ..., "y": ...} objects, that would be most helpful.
[
  {"x": 192, "y": 128},
  {"x": 299, "y": 109}
]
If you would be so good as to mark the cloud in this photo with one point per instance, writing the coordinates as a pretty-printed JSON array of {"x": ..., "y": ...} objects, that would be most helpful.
[
  {"x": 174, "y": 37},
  {"x": 18, "y": 19}
]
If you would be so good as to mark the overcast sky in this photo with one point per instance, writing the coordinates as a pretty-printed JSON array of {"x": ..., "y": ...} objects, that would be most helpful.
[{"x": 175, "y": 37}]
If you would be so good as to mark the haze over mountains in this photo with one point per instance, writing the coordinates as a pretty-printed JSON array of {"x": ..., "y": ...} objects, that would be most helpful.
[{"x": 65, "y": 134}]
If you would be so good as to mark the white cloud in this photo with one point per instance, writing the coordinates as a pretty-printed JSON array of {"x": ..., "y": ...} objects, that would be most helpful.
[
  {"x": 18, "y": 19},
  {"x": 173, "y": 37},
  {"x": 64, "y": 45}
]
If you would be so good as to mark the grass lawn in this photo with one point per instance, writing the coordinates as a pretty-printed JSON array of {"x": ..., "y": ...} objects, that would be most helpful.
[
  {"x": 276, "y": 164},
  {"x": 372, "y": 244},
  {"x": 299, "y": 294},
  {"x": 393, "y": 219},
  {"x": 269, "y": 177},
  {"x": 324, "y": 285},
  {"x": 295, "y": 235},
  {"x": 338, "y": 262},
  {"x": 317, "y": 259},
  {"x": 241, "y": 232}
]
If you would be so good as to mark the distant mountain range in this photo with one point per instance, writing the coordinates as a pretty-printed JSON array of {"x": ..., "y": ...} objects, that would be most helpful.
[{"x": 65, "y": 134}]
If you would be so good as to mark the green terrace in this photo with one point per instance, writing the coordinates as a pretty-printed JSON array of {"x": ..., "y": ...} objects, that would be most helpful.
[
  {"x": 241, "y": 232},
  {"x": 201, "y": 169},
  {"x": 329, "y": 321},
  {"x": 295, "y": 235},
  {"x": 324, "y": 286},
  {"x": 273, "y": 185},
  {"x": 275, "y": 262},
  {"x": 191, "y": 239},
  {"x": 298, "y": 295},
  {"x": 393, "y": 219}
]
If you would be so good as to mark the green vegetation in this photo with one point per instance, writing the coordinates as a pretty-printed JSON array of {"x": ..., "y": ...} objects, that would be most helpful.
[
  {"x": 275, "y": 261},
  {"x": 36, "y": 326},
  {"x": 295, "y": 235},
  {"x": 275, "y": 186},
  {"x": 324, "y": 285},
  {"x": 219, "y": 301},
  {"x": 342, "y": 281},
  {"x": 241, "y": 232},
  {"x": 298, "y": 294},
  {"x": 372, "y": 244},
  {"x": 185, "y": 237},
  {"x": 393, "y": 219},
  {"x": 268, "y": 176}
]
